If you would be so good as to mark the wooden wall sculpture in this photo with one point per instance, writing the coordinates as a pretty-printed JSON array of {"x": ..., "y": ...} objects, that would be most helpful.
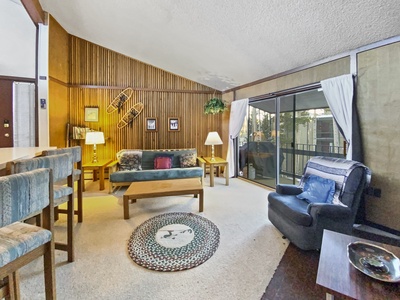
[{"x": 98, "y": 75}]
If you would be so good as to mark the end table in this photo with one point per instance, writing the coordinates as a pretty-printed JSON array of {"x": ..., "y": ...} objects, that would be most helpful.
[{"x": 217, "y": 162}]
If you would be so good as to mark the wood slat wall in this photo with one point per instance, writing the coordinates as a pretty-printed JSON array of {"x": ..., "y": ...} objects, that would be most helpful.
[{"x": 98, "y": 75}]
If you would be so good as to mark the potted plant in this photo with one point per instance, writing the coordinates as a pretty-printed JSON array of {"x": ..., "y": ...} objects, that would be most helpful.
[{"x": 214, "y": 106}]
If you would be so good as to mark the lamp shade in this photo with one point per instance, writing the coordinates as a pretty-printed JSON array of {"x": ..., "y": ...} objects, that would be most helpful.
[
  {"x": 213, "y": 139},
  {"x": 94, "y": 138}
]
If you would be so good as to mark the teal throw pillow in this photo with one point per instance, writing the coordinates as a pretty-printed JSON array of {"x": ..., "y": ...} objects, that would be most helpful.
[{"x": 318, "y": 190}]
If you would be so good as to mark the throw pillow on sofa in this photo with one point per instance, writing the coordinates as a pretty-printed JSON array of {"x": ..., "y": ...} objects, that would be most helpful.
[
  {"x": 130, "y": 160},
  {"x": 318, "y": 190},
  {"x": 188, "y": 160},
  {"x": 162, "y": 162}
]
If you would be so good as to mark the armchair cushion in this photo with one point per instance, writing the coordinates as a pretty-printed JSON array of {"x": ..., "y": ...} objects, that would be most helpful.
[
  {"x": 288, "y": 189},
  {"x": 318, "y": 190},
  {"x": 291, "y": 207},
  {"x": 19, "y": 238}
]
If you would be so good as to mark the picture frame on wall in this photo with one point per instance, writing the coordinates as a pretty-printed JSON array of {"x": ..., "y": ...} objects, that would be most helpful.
[
  {"x": 151, "y": 124},
  {"x": 173, "y": 124},
  {"x": 91, "y": 114}
]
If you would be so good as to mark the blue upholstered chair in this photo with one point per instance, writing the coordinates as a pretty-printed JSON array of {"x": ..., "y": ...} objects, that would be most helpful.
[
  {"x": 78, "y": 175},
  {"x": 328, "y": 197},
  {"x": 21, "y": 196},
  {"x": 62, "y": 167}
]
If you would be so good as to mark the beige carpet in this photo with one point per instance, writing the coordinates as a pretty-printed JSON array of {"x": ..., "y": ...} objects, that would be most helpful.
[{"x": 249, "y": 251}]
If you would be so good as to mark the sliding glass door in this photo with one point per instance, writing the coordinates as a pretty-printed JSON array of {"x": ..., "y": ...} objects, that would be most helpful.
[{"x": 281, "y": 134}]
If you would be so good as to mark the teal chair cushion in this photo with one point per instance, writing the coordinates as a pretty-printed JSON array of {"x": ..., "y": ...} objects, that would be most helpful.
[{"x": 17, "y": 239}]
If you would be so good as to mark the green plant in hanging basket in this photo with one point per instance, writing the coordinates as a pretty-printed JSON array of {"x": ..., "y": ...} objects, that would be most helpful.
[{"x": 214, "y": 106}]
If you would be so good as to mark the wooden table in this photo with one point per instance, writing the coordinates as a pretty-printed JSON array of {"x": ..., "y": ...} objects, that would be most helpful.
[
  {"x": 160, "y": 188},
  {"x": 96, "y": 166},
  {"x": 217, "y": 162},
  {"x": 339, "y": 278}
]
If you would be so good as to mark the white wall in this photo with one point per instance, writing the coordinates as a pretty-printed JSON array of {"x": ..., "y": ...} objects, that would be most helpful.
[{"x": 18, "y": 40}]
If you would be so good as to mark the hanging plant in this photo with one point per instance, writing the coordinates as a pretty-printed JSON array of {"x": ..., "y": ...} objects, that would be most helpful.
[{"x": 214, "y": 106}]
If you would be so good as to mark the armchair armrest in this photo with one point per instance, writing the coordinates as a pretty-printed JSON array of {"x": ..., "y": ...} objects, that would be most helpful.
[
  {"x": 288, "y": 189},
  {"x": 331, "y": 211}
]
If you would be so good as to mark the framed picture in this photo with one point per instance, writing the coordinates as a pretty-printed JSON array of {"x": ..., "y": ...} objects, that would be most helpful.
[
  {"x": 173, "y": 124},
  {"x": 91, "y": 114},
  {"x": 151, "y": 124}
]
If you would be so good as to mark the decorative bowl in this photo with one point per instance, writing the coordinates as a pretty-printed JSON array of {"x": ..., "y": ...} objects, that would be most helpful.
[{"x": 374, "y": 261}]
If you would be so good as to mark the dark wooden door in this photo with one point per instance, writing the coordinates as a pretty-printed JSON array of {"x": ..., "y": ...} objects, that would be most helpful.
[{"x": 6, "y": 113}]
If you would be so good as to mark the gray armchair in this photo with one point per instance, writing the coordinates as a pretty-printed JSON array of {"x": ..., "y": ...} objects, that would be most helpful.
[{"x": 303, "y": 221}]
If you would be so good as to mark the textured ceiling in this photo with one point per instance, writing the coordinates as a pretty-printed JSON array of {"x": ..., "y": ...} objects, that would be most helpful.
[{"x": 227, "y": 43}]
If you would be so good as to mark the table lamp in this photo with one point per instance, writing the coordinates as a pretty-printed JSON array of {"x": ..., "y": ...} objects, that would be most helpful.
[
  {"x": 94, "y": 138},
  {"x": 213, "y": 139}
]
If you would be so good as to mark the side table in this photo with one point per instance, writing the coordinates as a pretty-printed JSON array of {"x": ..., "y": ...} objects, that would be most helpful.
[
  {"x": 217, "y": 162},
  {"x": 96, "y": 166},
  {"x": 339, "y": 278}
]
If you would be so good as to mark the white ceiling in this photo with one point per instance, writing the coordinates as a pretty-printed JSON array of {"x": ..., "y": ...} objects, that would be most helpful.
[{"x": 228, "y": 43}]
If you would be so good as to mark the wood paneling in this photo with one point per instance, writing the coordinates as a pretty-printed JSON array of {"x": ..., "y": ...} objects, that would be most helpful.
[
  {"x": 163, "y": 94},
  {"x": 58, "y": 100}
]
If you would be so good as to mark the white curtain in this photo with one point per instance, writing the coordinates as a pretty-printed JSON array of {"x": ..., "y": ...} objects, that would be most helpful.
[
  {"x": 238, "y": 113},
  {"x": 24, "y": 114},
  {"x": 338, "y": 92}
]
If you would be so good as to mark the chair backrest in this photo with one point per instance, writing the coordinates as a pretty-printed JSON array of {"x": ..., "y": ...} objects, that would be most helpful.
[
  {"x": 25, "y": 194},
  {"x": 60, "y": 164},
  {"x": 76, "y": 152},
  {"x": 350, "y": 176}
]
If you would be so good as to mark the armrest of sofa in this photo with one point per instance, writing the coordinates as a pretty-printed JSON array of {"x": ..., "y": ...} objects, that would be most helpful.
[
  {"x": 288, "y": 189},
  {"x": 112, "y": 167}
]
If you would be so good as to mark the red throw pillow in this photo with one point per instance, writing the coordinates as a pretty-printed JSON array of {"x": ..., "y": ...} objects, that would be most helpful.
[{"x": 162, "y": 162}]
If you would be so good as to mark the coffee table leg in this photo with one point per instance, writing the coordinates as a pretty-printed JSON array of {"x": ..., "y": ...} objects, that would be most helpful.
[
  {"x": 126, "y": 207},
  {"x": 201, "y": 200},
  {"x": 227, "y": 174}
]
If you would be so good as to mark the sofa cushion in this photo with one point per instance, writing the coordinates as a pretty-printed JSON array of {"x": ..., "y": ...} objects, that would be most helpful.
[
  {"x": 318, "y": 190},
  {"x": 162, "y": 162},
  {"x": 149, "y": 155},
  {"x": 129, "y": 160},
  {"x": 144, "y": 175},
  {"x": 291, "y": 207},
  {"x": 188, "y": 160}
]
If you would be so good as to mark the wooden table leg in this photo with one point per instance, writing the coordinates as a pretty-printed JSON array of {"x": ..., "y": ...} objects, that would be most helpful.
[
  {"x": 211, "y": 175},
  {"x": 227, "y": 174},
  {"x": 126, "y": 207},
  {"x": 201, "y": 200},
  {"x": 101, "y": 171},
  {"x": 95, "y": 175},
  {"x": 80, "y": 184}
]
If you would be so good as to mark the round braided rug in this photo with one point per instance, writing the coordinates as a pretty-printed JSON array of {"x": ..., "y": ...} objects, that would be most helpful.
[{"x": 173, "y": 242}]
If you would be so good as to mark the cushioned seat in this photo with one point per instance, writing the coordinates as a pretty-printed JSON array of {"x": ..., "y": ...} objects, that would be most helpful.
[
  {"x": 327, "y": 197},
  {"x": 17, "y": 239},
  {"x": 292, "y": 208},
  {"x": 23, "y": 195}
]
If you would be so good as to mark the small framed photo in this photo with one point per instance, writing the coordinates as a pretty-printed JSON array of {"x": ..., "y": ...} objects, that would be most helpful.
[
  {"x": 151, "y": 124},
  {"x": 173, "y": 124},
  {"x": 91, "y": 114}
]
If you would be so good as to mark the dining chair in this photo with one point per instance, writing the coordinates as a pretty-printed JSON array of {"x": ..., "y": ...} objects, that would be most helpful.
[
  {"x": 23, "y": 195},
  {"x": 76, "y": 152},
  {"x": 62, "y": 167}
]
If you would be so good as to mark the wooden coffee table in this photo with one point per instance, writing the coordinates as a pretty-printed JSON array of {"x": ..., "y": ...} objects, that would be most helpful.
[
  {"x": 160, "y": 188},
  {"x": 339, "y": 278}
]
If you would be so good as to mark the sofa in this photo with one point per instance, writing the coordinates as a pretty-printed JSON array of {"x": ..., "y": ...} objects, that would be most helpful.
[{"x": 146, "y": 165}]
